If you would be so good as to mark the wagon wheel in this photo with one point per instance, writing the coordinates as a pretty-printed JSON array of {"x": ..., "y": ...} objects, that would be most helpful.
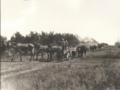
[{"x": 59, "y": 56}]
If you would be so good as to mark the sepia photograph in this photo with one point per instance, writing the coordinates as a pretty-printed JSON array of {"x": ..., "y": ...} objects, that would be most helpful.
[{"x": 60, "y": 45}]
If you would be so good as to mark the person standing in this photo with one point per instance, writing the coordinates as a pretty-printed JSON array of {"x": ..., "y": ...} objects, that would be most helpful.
[
  {"x": 62, "y": 44},
  {"x": 73, "y": 52},
  {"x": 66, "y": 44}
]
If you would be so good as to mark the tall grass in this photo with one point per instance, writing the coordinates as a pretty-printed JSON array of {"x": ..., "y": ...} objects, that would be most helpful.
[
  {"x": 118, "y": 46},
  {"x": 70, "y": 77},
  {"x": 114, "y": 55}
]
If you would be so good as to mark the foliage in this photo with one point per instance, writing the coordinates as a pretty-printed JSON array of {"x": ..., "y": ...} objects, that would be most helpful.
[
  {"x": 17, "y": 37},
  {"x": 45, "y": 38},
  {"x": 32, "y": 37},
  {"x": 3, "y": 38}
]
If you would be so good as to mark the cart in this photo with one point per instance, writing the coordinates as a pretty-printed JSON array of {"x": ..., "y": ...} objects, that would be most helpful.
[{"x": 63, "y": 54}]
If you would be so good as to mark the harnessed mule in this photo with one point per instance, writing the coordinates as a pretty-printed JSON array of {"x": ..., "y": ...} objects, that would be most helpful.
[{"x": 18, "y": 48}]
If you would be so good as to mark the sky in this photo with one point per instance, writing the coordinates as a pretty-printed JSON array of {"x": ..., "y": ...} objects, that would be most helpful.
[{"x": 98, "y": 19}]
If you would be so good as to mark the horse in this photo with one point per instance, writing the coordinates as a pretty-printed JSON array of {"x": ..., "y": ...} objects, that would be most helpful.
[
  {"x": 19, "y": 47},
  {"x": 40, "y": 49},
  {"x": 81, "y": 49},
  {"x": 93, "y": 47},
  {"x": 54, "y": 49}
]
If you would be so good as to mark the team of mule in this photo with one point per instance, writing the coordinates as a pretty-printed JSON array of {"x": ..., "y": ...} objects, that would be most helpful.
[{"x": 38, "y": 48}]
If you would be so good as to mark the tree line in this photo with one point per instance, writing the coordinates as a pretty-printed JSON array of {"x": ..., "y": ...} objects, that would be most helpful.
[{"x": 44, "y": 38}]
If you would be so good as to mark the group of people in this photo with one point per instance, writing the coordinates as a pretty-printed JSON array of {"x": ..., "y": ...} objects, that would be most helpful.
[
  {"x": 80, "y": 50},
  {"x": 64, "y": 44}
]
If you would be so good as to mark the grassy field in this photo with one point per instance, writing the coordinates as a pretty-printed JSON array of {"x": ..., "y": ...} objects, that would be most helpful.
[{"x": 99, "y": 70}]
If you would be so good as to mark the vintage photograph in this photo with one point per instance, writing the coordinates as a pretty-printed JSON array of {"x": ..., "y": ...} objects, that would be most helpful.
[{"x": 60, "y": 45}]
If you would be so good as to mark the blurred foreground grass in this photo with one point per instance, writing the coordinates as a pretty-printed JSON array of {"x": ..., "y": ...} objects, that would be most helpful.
[{"x": 69, "y": 77}]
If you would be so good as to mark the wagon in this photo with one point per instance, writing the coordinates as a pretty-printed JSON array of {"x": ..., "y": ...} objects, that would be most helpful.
[{"x": 63, "y": 54}]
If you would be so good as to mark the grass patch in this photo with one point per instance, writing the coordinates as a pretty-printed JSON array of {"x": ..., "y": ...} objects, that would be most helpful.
[
  {"x": 69, "y": 77},
  {"x": 106, "y": 52}
]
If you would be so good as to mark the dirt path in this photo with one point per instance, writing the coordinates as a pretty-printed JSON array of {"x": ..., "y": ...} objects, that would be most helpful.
[
  {"x": 13, "y": 72},
  {"x": 10, "y": 69}
]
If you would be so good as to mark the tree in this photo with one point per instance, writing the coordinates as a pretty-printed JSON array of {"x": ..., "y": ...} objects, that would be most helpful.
[
  {"x": 3, "y": 38},
  {"x": 32, "y": 37},
  {"x": 17, "y": 37},
  {"x": 45, "y": 38}
]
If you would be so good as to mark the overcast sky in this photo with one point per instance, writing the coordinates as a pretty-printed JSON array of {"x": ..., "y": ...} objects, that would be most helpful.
[{"x": 98, "y": 19}]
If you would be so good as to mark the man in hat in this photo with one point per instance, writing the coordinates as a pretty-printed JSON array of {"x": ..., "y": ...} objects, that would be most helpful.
[{"x": 62, "y": 43}]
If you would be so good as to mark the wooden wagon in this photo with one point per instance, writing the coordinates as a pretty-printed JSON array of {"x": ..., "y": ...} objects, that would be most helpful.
[{"x": 63, "y": 54}]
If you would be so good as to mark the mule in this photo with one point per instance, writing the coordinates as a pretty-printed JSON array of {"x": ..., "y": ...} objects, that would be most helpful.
[
  {"x": 41, "y": 49},
  {"x": 81, "y": 50},
  {"x": 53, "y": 49},
  {"x": 18, "y": 47}
]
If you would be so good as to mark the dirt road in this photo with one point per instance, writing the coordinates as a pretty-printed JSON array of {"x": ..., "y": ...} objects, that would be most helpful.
[{"x": 9, "y": 69}]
